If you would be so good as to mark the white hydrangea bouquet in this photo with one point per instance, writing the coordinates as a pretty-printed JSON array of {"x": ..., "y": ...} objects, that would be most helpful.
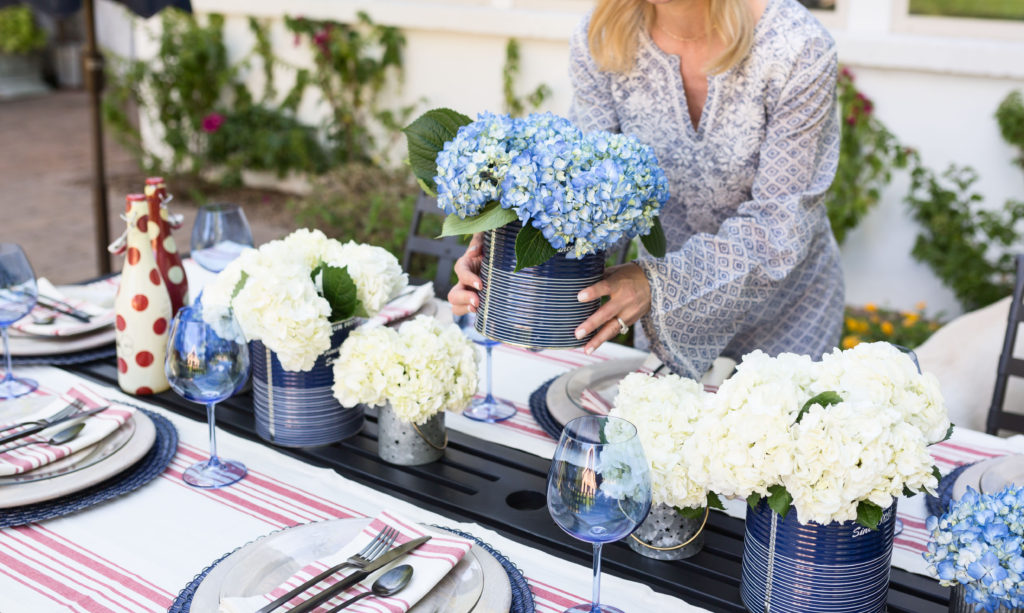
[
  {"x": 574, "y": 192},
  {"x": 665, "y": 411},
  {"x": 837, "y": 440},
  {"x": 289, "y": 292},
  {"x": 421, "y": 369}
]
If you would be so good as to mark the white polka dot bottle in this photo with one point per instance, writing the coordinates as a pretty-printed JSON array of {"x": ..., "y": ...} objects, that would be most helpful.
[
  {"x": 168, "y": 261},
  {"x": 143, "y": 309}
]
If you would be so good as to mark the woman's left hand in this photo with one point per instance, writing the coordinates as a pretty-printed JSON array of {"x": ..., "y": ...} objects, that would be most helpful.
[{"x": 629, "y": 295}]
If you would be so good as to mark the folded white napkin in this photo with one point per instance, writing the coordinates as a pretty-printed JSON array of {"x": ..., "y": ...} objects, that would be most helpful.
[
  {"x": 98, "y": 306},
  {"x": 97, "y": 427},
  {"x": 600, "y": 400},
  {"x": 403, "y": 306},
  {"x": 431, "y": 561}
]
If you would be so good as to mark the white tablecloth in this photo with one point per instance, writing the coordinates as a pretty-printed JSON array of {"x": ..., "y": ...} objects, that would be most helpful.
[{"x": 134, "y": 554}]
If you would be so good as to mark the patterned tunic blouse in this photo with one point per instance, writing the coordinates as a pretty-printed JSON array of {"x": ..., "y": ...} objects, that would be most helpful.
[{"x": 752, "y": 262}]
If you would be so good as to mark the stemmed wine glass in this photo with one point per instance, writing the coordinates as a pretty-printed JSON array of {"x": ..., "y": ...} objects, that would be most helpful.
[
  {"x": 220, "y": 233},
  {"x": 599, "y": 487},
  {"x": 18, "y": 294},
  {"x": 488, "y": 408},
  {"x": 207, "y": 364}
]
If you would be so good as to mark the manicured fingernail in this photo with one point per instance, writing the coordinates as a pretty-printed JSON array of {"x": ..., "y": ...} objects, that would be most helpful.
[
  {"x": 580, "y": 333},
  {"x": 582, "y": 297},
  {"x": 472, "y": 309},
  {"x": 477, "y": 285},
  {"x": 474, "y": 302},
  {"x": 588, "y": 350}
]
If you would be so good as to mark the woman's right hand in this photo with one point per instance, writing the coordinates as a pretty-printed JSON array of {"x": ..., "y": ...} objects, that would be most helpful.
[{"x": 463, "y": 297}]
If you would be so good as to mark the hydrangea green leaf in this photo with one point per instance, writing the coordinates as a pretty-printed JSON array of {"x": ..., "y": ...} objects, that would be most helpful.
[
  {"x": 753, "y": 500},
  {"x": 490, "y": 217},
  {"x": 690, "y": 512},
  {"x": 779, "y": 499},
  {"x": 715, "y": 502},
  {"x": 340, "y": 291},
  {"x": 824, "y": 399},
  {"x": 869, "y": 514},
  {"x": 532, "y": 248},
  {"x": 426, "y": 136},
  {"x": 654, "y": 241}
]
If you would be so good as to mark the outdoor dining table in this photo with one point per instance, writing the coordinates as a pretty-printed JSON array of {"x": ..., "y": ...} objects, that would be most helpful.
[{"x": 136, "y": 552}]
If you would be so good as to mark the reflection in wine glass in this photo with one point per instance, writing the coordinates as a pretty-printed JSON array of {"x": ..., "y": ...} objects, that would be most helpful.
[
  {"x": 207, "y": 366},
  {"x": 488, "y": 408},
  {"x": 18, "y": 294},
  {"x": 599, "y": 488},
  {"x": 220, "y": 233}
]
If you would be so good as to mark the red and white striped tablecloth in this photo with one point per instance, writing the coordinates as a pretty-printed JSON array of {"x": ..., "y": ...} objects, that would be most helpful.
[{"x": 133, "y": 554}]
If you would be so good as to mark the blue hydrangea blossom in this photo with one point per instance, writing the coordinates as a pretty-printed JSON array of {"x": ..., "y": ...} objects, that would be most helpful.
[{"x": 979, "y": 543}]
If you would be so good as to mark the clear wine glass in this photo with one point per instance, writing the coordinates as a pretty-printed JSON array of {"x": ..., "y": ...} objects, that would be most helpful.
[
  {"x": 18, "y": 294},
  {"x": 488, "y": 408},
  {"x": 599, "y": 488},
  {"x": 219, "y": 234},
  {"x": 207, "y": 365}
]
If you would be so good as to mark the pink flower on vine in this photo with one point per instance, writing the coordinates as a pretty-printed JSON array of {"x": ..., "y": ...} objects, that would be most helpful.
[
  {"x": 321, "y": 38},
  {"x": 847, "y": 73},
  {"x": 212, "y": 122}
]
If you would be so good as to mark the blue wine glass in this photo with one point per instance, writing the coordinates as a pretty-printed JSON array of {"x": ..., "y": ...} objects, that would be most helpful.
[
  {"x": 488, "y": 408},
  {"x": 18, "y": 293},
  {"x": 599, "y": 488},
  {"x": 220, "y": 233},
  {"x": 207, "y": 364}
]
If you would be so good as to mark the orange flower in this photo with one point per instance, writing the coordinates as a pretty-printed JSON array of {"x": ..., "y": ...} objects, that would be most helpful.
[
  {"x": 887, "y": 328},
  {"x": 870, "y": 307},
  {"x": 850, "y": 341},
  {"x": 920, "y": 305},
  {"x": 910, "y": 319}
]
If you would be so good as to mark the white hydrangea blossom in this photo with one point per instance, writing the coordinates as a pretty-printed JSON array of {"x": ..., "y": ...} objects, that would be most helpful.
[
  {"x": 275, "y": 300},
  {"x": 665, "y": 411},
  {"x": 868, "y": 447},
  {"x": 376, "y": 273},
  {"x": 421, "y": 369}
]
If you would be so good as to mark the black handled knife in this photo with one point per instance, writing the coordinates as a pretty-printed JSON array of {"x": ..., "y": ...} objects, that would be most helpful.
[{"x": 39, "y": 428}]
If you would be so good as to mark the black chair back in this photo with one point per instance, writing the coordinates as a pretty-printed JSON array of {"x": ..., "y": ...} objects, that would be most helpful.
[
  {"x": 998, "y": 418},
  {"x": 428, "y": 250}
]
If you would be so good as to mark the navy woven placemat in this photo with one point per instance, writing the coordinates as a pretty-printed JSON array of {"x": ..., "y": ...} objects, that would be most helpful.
[
  {"x": 134, "y": 477},
  {"x": 522, "y": 597},
  {"x": 938, "y": 505},
  {"x": 540, "y": 412},
  {"x": 67, "y": 359}
]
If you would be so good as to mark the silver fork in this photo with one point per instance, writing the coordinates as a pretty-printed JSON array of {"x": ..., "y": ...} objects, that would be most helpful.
[
  {"x": 373, "y": 550},
  {"x": 61, "y": 414}
]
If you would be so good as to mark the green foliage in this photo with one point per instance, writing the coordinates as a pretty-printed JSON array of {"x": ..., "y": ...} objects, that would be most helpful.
[
  {"x": 990, "y": 9},
  {"x": 824, "y": 399},
  {"x": 515, "y": 105},
  {"x": 867, "y": 154},
  {"x": 532, "y": 249},
  {"x": 1010, "y": 116},
  {"x": 361, "y": 202},
  {"x": 966, "y": 246},
  {"x": 870, "y": 324},
  {"x": 19, "y": 34},
  {"x": 209, "y": 119},
  {"x": 426, "y": 137},
  {"x": 868, "y": 514},
  {"x": 490, "y": 217},
  {"x": 354, "y": 62}
]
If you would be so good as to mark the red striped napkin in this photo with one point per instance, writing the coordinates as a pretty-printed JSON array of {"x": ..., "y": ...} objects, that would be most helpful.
[
  {"x": 431, "y": 561},
  {"x": 96, "y": 428},
  {"x": 97, "y": 300},
  {"x": 403, "y": 306}
]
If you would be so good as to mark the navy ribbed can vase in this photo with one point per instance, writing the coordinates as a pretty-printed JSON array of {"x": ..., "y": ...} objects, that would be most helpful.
[
  {"x": 535, "y": 307},
  {"x": 813, "y": 568},
  {"x": 298, "y": 409}
]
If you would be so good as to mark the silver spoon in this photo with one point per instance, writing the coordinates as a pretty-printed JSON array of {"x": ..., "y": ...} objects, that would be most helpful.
[
  {"x": 59, "y": 438},
  {"x": 43, "y": 320},
  {"x": 387, "y": 584}
]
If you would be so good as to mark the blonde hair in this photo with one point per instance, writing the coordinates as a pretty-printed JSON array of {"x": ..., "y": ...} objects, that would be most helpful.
[{"x": 612, "y": 37}]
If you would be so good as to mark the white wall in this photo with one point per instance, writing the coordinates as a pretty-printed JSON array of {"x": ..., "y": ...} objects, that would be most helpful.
[{"x": 935, "y": 83}]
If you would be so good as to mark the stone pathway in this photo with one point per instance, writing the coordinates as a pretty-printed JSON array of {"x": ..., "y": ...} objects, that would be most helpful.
[{"x": 46, "y": 188}]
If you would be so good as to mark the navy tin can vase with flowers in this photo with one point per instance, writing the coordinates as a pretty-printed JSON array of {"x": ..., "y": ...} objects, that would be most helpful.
[
  {"x": 840, "y": 567},
  {"x": 536, "y": 307}
]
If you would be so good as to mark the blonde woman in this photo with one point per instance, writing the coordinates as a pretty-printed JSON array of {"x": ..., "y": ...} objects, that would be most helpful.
[{"x": 738, "y": 100}]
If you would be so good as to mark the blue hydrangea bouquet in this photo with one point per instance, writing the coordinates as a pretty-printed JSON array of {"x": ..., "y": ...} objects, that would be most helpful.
[
  {"x": 573, "y": 192},
  {"x": 978, "y": 545}
]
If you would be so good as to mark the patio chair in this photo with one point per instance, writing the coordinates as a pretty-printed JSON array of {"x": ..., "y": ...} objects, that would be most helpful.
[
  {"x": 426, "y": 250},
  {"x": 998, "y": 417}
]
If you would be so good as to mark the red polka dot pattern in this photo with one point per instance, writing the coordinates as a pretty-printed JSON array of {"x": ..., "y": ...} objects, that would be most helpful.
[
  {"x": 143, "y": 358},
  {"x": 143, "y": 223},
  {"x": 122, "y": 366},
  {"x": 143, "y": 390},
  {"x": 119, "y": 322},
  {"x": 133, "y": 256},
  {"x": 160, "y": 326},
  {"x": 140, "y": 302},
  {"x": 154, "y": 276}
]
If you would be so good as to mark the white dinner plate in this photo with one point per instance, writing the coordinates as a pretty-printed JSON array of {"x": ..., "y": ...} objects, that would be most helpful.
[
  {"x": 478, "y": 584},
  {"x": 47, "y": 489},
  {"x": 25, "y": 345},
  {"x": 1002, "y": 472},
  {"x": 101, "y": 450},
  {"x": 599, "y": 377},
  {"x": 971, "y": 476}
]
